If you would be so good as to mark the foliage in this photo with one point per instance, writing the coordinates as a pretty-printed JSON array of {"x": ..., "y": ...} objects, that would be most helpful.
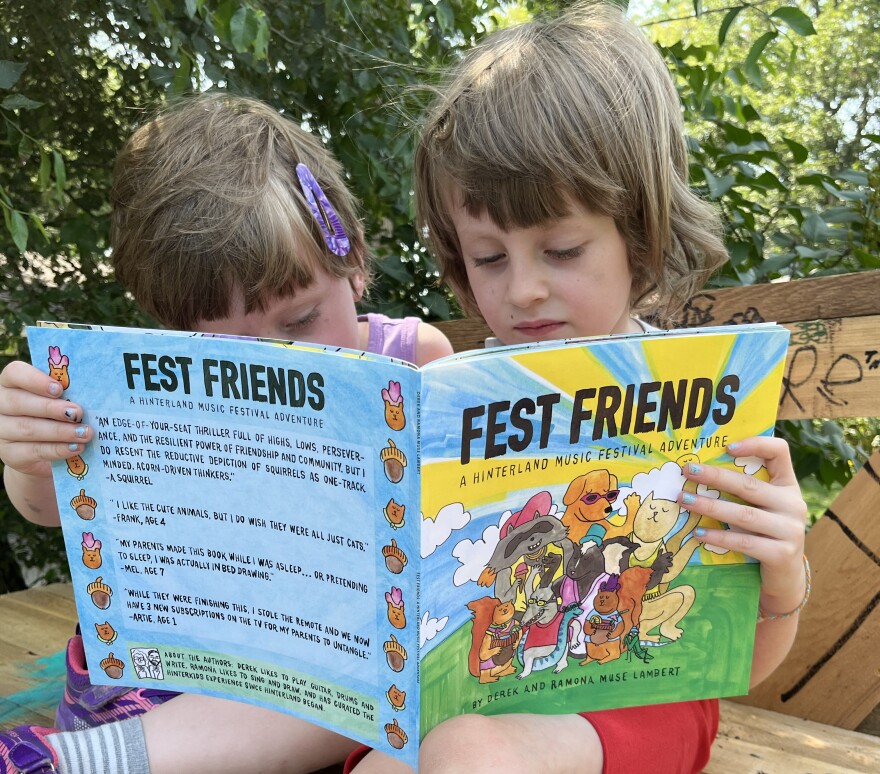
[{"x": 795, "y": 180}]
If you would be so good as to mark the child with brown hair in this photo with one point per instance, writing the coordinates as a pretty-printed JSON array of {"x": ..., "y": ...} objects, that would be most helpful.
[
  {"x": 227, "y": 218},
  {"x": 552, "y": 184}
]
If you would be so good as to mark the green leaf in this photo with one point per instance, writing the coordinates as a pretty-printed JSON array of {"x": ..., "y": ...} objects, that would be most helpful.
[
  {"x": 60, "y": 172},
  {"x": 750, "y": 67},
  {"x": 20, "y": 102},
  {"x": 814, "y": 228},
  {"x": 445, "y": 16},
  {"x": 718, "y": 186},
  {"x": 192, "y": 8},
  {"x": 18, "y": 229},
  {"x": 243, "y": 28},
  {"x": 45, "y": 171},
  {"x": 10, "y": 72},
  {"x": 728, "y": 19},
  {"x": 796, "y": 19},
  {"x": 798, "y": 151}
]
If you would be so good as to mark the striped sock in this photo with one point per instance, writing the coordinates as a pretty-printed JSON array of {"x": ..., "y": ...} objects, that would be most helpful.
[{"x": 114, "y": 748}]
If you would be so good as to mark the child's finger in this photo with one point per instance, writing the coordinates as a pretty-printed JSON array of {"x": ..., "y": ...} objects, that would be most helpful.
[
  {"x": 19, "y": 375},
  {"x": 758, "y": 547},
  {"x": 21, "y": 403},
  {"x": 733, "y": 482},
  {"x": 775, "y": 454},
  {"x": 743, "y": 517},
  {"x": 29, "y": 439}
]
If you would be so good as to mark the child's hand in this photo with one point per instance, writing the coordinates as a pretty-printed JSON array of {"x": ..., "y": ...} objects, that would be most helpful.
[
  {"x": 36, "y": 424},
  {"x": 770, "y": 525}
]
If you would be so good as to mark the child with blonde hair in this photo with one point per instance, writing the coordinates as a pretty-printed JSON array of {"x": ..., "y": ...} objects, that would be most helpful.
[
  {"x": 226, "y": 218},
  {"x": 552, "y": 185}
]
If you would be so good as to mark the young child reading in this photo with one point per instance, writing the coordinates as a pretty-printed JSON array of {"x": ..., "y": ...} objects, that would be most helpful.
[
  {"x": 227, "y": 218},
  {"x": 551, "y": 179}
]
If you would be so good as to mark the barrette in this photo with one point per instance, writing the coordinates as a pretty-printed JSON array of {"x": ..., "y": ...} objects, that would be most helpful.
[{"x": 337, "y": 240}]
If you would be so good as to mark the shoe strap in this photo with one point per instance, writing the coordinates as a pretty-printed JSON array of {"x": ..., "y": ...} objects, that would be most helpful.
[
  {"x": 30, "y": 759},
  {"x": 96, "y": 697}
]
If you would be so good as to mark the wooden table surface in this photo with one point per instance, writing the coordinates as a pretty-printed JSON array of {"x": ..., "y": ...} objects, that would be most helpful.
[{"x": 35, "y": 625}]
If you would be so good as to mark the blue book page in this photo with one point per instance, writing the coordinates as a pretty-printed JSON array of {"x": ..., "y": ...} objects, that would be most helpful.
[{"x": 245, "y": 522}]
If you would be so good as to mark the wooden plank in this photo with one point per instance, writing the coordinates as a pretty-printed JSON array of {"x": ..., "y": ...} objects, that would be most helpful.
[
  {"x": 832, "y": 369},
  {"x": 835, "y": 653},
  {"x": 846, "y": 295},
  {"x": 36, "y": 626},
  {"x": 756, "y": 741}
]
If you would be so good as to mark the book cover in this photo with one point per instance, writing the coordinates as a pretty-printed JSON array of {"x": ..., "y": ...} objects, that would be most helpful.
[{"x": 376, "y": 547}]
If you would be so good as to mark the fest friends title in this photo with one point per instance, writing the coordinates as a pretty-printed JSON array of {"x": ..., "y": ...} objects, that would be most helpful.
[{"x": 489, "y": 430}]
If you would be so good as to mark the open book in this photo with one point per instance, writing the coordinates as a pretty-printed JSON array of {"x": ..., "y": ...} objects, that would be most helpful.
[{"x": 376, "y": 547}]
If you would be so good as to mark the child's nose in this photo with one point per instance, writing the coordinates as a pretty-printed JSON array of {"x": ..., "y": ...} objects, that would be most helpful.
[{"x": 527, "y": 285}]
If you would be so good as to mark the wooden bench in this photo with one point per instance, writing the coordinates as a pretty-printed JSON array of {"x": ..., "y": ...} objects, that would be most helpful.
[{"x": 800, "y": 720}]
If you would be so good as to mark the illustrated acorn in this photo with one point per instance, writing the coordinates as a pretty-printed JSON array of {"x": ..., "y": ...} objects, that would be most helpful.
[
  {"x": 112, "y": 667},
  {"x": 84, "y": 505},
  {"x": 396, "y": 735},
  {"x": 100, "y": 593},
  {"x": 394, "y": 461},
  {"x": 395, "y": 559},
  {"x": 395, "y": 654}
]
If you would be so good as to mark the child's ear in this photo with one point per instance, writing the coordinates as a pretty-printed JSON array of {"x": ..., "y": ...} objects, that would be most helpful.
[{"x": 357, "y": 283}]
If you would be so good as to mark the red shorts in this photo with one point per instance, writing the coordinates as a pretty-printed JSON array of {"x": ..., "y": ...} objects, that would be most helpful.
[{"x": 673, "y": 738}]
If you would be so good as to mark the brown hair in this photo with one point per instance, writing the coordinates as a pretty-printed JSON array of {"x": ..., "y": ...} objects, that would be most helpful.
[
  {"x": 578, "y": 107},
  {"x": 206, "y": 203}
]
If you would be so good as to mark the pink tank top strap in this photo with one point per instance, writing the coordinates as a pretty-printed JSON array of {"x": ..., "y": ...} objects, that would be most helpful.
[{"x": 393, "y": 337}]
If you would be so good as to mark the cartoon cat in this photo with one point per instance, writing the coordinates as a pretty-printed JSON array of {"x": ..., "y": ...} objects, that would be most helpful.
[
  {"x": 91, "y": 548},
  {"x": 662, "y": 606},
  {"x": 58, "y": 364}
]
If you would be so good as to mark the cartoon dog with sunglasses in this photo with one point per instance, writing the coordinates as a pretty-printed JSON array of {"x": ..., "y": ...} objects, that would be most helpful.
[{"x": 589, "y": 508}]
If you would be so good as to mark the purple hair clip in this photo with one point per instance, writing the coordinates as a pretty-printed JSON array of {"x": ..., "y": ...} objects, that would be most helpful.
[{"x": 337, "y": 240}]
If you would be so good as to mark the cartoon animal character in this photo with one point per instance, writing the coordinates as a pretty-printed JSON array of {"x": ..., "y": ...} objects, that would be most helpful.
[
  {"x": 585, "y": 564},
  {"x": 106, "y": 633},
  {"x": 396, "y": 698},
  {"x": 604, "y": 625},
  {"x": 589, "y": 508},
  {"x": 91, "y": 551},
  {"x": 58, "y": 367},
  {"x": 494, "y": 636},
  {"x": 662, "y": 606},
  {"x": 532, "y": 537},
  {"x": 394, "y": 416},
  {"x": 394, "y": 513},
  {"x": 396, "y": 614},
  {"x": 547, "y": 630},
  {"x": 77, "y": 467}
]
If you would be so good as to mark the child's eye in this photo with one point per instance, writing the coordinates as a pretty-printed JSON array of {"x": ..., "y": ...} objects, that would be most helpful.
[
  {"x": 566, "y": 255},
  {"x": 487, "y": 260},
  {"x": 303, "y": 322}
]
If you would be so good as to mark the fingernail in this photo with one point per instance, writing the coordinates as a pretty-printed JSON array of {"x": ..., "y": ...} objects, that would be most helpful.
[
  {"x": 695, "y": 469},
  {"x": 73, "y": 446},
  {"x": 54, "y": 388},
  {"x": 70, "y": 413},
  {"x": 700, "y": 532},
  {"x": 733, "y": 446},
  {"x": 688, "y": 499},
  {"x": 81, "y": 431}
]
